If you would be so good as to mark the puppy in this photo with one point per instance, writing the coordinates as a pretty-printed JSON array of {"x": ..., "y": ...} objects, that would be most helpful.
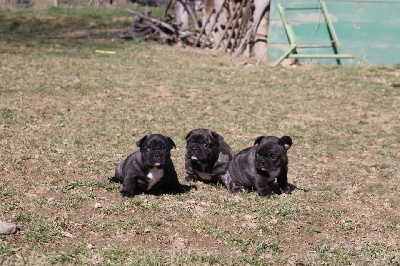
[
  {"x": 207, "y": 157},
  {"x": 150, "y": 169},
  {"x": 257, "y": 167}
]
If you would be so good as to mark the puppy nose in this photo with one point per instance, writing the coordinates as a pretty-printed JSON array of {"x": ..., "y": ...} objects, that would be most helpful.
[{"x": 157, "y": 156}]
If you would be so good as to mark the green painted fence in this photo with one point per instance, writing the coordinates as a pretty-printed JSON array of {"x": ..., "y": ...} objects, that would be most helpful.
[{"x": 368, "y": 29}]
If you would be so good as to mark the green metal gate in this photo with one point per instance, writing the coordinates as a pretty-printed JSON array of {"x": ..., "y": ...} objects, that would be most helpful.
[{"x": 335, "y": 32}]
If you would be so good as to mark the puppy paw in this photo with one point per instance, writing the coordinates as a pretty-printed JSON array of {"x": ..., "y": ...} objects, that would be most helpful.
[
  {"x": 238, "y": 189},
  {"x": 287, "y": 190},
  {"x": 114, "y": 180},
  {"x": 191, "y": 178},
  {"x": 264, "y": 193},
  {"x": 181, "y": 189},
  {"x": 126, "y": 193}
]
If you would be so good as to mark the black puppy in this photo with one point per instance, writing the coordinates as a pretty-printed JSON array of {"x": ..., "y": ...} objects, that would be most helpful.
[
  {"x": 207, "y": 157},
  {"x": 257, "y": 167},
  {"x": 149, "y": 169}
]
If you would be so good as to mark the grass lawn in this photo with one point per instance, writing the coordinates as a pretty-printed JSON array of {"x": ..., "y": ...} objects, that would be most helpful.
[{"x": 68, "y": 115}]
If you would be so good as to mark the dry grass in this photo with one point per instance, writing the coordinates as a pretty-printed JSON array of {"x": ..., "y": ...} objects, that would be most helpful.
[{"x": 68, "y": 115}]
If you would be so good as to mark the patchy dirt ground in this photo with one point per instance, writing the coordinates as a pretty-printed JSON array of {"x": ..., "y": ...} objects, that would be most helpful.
[{"x": 69, "y": 115}]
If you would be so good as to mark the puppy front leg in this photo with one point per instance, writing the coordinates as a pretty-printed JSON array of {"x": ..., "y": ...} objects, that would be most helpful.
[
  {"x": 227, "y": 181},
  {"x": 262, "y": 188},
  {"x": 283, "y": 183},
  {"x": 190, "y": 174},
  {"x": 128, "y": 186},
  {"x": 264, "y": 192},
  {"x": 172, "y": 183}
]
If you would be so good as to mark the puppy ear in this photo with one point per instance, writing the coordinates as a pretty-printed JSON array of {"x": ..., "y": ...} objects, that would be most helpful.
[
  {"x": 217, "y": 136},
  {"x": 171, "y": 142},
  {"x": 188, "y": 134},
  {"x": 258, "y": 139},
  {"x": 139, "y": 143},
  {"x": 286, "y": 142}
]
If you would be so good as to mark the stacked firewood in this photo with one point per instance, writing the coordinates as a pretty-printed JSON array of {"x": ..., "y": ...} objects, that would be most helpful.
[
  {"x": 230, "y": 28},
  {"x": 226, "y": 27},
  {"x": 146, "y": 27}
]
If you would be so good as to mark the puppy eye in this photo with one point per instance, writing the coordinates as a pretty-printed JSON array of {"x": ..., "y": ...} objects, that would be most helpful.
[
  {"x": 273, "y": 156},
  {"x": 205, "y": 144},
  {"x": 148, "y": 149}
]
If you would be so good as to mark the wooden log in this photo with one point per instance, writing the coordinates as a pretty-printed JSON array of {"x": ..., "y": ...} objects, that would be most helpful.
[
  {"x": 212, "y": 25},
  {"x": 181, "y": 14},
  {"x": 234, "y": 40},
  {"x": 234, "y": 32},
  {"x": 218, "y": 34},
  {"x": 261, "y": 57},
  {"x": 234, "y": 26},
  {"x": 245, "y": 20},
  {"x": 204, "y": 27},
  {"x": 161, "y": 33},
  {"x": 191, "y": 13},
  {"x": 228, "y": 25},
  {"x": 140, "y": 28},
  {"x": 153, "y": 20},
  {"x": 231, "y": 7},
  {"x": 258, "y": 40},
  {"x": 167, "y": 8},
  {"x": 250, "y": 30}
]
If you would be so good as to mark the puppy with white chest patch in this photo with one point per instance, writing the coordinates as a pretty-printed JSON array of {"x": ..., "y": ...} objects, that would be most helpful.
[
  {"x": 150, "y": 169},
  {"x": 257, "y": 167},
  {"x": 207, "y": 157}
]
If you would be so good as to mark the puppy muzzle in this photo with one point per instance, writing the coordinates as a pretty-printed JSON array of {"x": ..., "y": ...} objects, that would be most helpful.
[
  {"x": 156, "y": 165},
  {"x": 195, "y": 159},
  {"x": 156, "y": 160}
]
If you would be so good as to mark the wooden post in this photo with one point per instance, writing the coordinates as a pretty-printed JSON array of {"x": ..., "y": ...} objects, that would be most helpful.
[
  {"x": 260, "y": 41},
  {"x": 55, "y": 3}
]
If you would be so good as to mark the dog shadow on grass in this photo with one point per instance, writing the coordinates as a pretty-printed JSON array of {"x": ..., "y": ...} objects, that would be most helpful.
[
  {"x": 276, "y": 190},
  {"x": 273, "y": 187},
  {"x": 156, "y": 192}
]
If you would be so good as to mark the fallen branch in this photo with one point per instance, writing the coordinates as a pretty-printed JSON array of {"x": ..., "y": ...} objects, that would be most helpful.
[{"x": 153, "y": 20}]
